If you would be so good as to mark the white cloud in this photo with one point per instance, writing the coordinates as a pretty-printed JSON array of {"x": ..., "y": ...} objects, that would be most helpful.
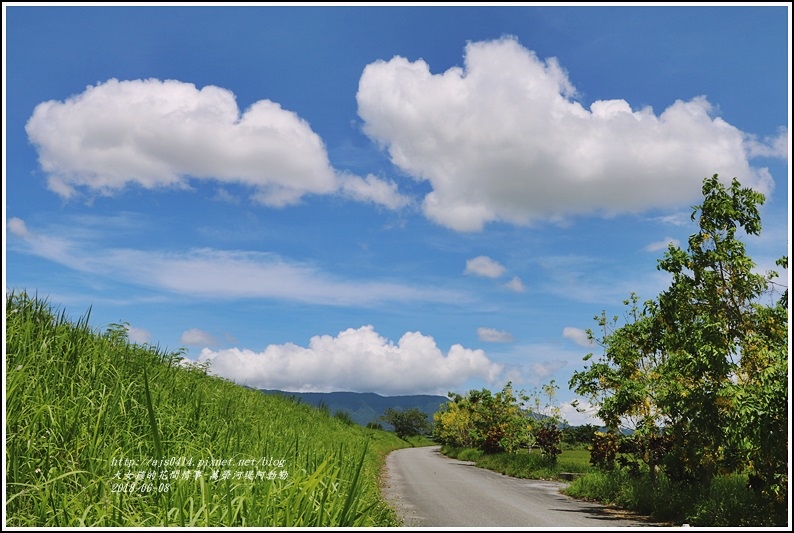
[
  {"x": 157, "y": 133},
  {"x": 484, "y": 266},
  {"x": 137, "y": 335},
  {"x": 372, "y": 189},
  {"x": 579, "y": 336},
  {"x": 534, "y": 364},
  {"x": 17, "y": 227},
  {"x": 222, "y": 195},
  {"x": 357, "y": 360},
  {"x": 197, "y": 337},
  {"x": 661, "y": 245},
  {"x": 581, "y": 414},
  {"x": 502, "y": 140},
  {"x": 515, "y": 284},
  {"x": 679, "y": 218},
  {"x": 777, "y": 146},
  {"x": 225, "y": 274},
  {"x": 493, "y": 335},
  {"x": 539, "y": 371}
]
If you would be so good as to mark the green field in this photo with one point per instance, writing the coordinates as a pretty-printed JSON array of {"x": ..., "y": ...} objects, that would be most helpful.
[
  {"x": 526, "y": 464},
  {"x": 105, "y": 432}
]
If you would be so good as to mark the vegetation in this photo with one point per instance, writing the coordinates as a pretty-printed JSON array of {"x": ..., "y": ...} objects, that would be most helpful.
[
  {"x": 104, "y": 432},
  {"x": 407, "y": 422},
  {"x": 501, "y": 422},
  {"x": 725, "y": 502},
  {"x": 699, "y": 375},
  {"x": 578, "y": 435},
  {"x": 526, "y": 464},
  {"x": 701, "y": 372}
]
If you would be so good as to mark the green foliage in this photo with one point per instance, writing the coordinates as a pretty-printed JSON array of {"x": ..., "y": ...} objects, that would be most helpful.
[
  {"x": 547, "y": 438},
  {"x": 464, "y": 454},
  {"x": 344, "y": 417},
  {"x": 574, "y": 435},
  {"x": 79, "y": 401},
  {"x": 725, "y": 502},
  {"x": 604, "y": 450},
  {"x": 501, "y": 422},
  {"x": 524, "y": 463},
  {"x": 483, "y": 420},
  {"x": 407, "y": 422},
  {"x": 701, "y": 372}
]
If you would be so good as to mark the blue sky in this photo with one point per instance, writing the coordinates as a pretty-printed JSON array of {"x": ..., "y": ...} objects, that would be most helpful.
[{"x": 386, "y": 199}]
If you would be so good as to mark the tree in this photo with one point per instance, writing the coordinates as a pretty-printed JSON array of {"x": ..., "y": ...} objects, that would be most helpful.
[
  {"x": 406, "y": 422},
  {"x": 484, "y": 420},
  {"x": 626, "y": 383},
  {"x": 579, "y": 434},
  {"x": 704, "y": 366},
  {"x": 453, "y": 425},
  {"x": 547, "y": 420}
]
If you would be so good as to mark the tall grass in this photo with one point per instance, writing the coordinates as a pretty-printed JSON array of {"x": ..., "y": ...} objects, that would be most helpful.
[
  {"x": 104, "y": 432},
  {"x": 726, "y": 502}
]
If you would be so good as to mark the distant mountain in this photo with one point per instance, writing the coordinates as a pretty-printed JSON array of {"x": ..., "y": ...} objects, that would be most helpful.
[{"x": 365, "y": 407}]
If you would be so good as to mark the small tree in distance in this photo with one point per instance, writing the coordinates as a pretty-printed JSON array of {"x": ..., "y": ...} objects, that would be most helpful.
[{"x": 406, "y": 422}]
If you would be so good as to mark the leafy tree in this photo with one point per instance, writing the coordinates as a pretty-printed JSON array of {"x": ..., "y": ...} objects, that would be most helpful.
[
  {"x": 407, "y": 422},
  {"x": 484, "y": 420},
  {"x": 625, "y": 382},
  {"x": 497, "y": 419},
  {"x": 453, "y": 424},
  {"x": 702, "y": 370},
  {"x": 579, "y": 434}
]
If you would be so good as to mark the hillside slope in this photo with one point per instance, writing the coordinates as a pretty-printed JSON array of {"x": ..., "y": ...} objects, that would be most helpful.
[{"x": 104, "y": 432}]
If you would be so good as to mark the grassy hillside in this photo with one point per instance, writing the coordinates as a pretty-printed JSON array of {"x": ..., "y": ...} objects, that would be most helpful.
[{"x": 104, "y": 432}]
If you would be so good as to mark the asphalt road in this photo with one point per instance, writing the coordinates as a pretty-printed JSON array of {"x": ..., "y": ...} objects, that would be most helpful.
[{"x": 428, "y": 489}]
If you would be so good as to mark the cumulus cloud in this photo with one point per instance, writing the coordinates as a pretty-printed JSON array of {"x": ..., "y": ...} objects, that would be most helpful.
[
  {"x": 493, "y": 335},
  {"x": 17, "y": 227},
  {"x": 157, "y": 133},
  {"x": 515, "y": 284},
  {"x": 484, "y": 266},
  {"x": 357, "y": 360},
  {"x": 661, "y": 245},
  {"x": 138, "y": 335},
  {"x": 503, "y": 139},
  {"x": 226, "y": 274},
  {"x": 579, "y": 336},
  {"x": 197, "y": 337}
]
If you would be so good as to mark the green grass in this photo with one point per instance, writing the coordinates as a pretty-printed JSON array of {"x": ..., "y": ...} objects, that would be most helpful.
[
  {"x": 89, "y": 413},
  {"x": 418, "y": 441},
  {"x": 525, "y": 464},
  {"x": 726, "y": 502}
]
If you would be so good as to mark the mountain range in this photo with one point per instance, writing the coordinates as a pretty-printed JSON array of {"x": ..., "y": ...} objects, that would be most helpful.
[{"x": 366, "y": 407}]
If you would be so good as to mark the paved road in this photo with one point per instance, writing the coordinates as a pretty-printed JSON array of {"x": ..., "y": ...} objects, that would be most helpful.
[{"x": 427, "y": 489}]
